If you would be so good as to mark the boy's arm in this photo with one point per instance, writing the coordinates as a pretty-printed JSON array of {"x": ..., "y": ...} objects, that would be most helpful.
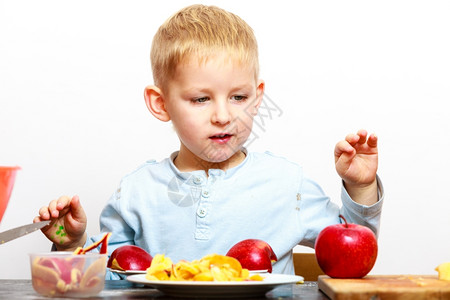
[
  {"x": 316, "y": 211},
  {"x": 356, "y": 160},
  {"x": 365, "y": 195}
]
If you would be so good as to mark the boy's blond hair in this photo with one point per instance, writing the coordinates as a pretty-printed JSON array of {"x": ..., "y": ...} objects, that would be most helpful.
[{"x": 201, "y": 31}]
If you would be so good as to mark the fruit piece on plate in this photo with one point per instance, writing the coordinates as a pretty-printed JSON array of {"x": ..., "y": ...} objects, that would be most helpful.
[
  {"x": 129, "y": 258},
  {"x": 213, "y": 267},
  {"x": 346, "y": 250},
  {"x": 444, "y": 271},
  {"x": 160, "y": 268},
  {"x": 254, "y": 254}
]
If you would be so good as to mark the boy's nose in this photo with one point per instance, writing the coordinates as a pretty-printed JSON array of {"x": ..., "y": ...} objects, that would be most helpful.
[{"x": 221, "y": 113}]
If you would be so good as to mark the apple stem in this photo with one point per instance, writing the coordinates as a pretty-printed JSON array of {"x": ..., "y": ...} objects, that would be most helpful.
[{"x": 345, "y": 221}]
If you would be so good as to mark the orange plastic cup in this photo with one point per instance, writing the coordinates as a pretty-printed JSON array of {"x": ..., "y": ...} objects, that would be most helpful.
[{"x": 7, "y": 178}]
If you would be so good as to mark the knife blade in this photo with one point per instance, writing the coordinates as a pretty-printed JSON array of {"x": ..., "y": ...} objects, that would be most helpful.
[{"x": 17, "y": 232}]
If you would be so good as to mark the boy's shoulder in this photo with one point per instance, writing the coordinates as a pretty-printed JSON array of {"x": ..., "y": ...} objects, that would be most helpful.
[
  {"x": 268, "y": 159},
  {"x": 148, "y": 167},
  {"x": 274, "y": 169},
  {"x": 269, "y": 156}
]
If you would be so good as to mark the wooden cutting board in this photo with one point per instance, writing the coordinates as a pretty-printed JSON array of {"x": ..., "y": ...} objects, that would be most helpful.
[{"x": 375, "y": 287}]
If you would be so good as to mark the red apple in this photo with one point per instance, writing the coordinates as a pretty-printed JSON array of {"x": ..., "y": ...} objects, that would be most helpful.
[
  {"x": 253, "y": 254},
  {"x": 346, "y": 250},
  {"x": 129, "y": 257}
]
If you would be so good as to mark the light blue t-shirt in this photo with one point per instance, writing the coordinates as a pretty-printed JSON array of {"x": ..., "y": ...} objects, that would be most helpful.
[{"x": 187, "y": 215}]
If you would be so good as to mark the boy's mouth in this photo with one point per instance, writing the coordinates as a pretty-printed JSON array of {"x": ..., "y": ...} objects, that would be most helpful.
[{"x": 221, "y": 138}]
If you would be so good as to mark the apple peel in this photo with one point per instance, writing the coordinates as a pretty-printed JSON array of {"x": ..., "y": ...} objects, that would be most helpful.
[
  {"x": 89, "y": 278},
  {"x": 53, "y": 276},
  {"x": 44, "y": 273},
  {"x": 103, "y": 249},
  {"x": 59, "y": 275}
]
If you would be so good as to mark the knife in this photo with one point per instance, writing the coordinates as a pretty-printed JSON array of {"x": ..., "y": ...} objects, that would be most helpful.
[{"x": 17, "y": 232}]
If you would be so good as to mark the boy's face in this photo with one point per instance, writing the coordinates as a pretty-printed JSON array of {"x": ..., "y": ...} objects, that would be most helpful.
[{"x": 212, "y": 105}]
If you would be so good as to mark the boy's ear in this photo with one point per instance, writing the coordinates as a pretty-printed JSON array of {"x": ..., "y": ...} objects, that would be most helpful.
[
  {"x": 259, "y": 96},
  {"x": 155, "y": 103}
]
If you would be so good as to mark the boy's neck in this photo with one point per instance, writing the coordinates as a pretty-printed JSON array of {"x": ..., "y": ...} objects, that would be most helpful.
[{"x": 186, "y": 161}]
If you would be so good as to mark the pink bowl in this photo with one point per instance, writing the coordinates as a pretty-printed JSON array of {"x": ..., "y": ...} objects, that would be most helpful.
[{"x": 7, "y": 178}]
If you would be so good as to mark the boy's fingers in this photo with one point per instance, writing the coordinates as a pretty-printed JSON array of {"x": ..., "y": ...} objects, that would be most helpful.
[
  {"x": 55, "y": 207},
  {"x": 343, "y": 147},
  {"x": 373, "y": 140},
  {"x": 77, "y": 209},
  {"x": 352, "y": 139},
  {"x": 60, "y": 207},
  {"x": 44, "y": 213},
  {"x": 62, "y": 202},
  {"x": 54, "y": 213},
  {"x": 362, "y": 136}
]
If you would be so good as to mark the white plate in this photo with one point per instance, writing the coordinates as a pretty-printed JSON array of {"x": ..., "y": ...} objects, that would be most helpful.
[
  {"x": 258, "y": 271},
  {"x": 129, "y": 272},
  {"x": 134, "y": 272},
  {"x": 218, "y": 288}
]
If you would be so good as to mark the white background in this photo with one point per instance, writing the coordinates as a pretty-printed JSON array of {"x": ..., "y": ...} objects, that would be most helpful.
[{"x": 72, "y": 113}]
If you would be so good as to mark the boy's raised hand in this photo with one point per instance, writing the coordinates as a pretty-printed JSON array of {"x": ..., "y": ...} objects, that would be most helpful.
[
  {"x": 68, "y": 223},
  {"x": 356, "y": 160}
]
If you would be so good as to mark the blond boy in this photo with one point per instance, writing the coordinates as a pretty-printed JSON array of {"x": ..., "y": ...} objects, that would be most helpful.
[{"x": 212, "y": 192}]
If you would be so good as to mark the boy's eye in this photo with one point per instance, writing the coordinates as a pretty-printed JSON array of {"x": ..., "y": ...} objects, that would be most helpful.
[
  {"x": 200, "y": 100},
  {"x": 239, "y": 98}
]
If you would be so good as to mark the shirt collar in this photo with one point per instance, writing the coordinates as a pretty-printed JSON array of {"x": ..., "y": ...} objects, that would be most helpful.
[{"x": 212, "y": 172}]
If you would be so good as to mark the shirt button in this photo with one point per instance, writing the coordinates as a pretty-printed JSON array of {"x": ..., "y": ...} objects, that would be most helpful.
[
  {"x": 205, "y": 193},
  {"x": 201, "y": 212},
  {"x": 198, "y": 180}
]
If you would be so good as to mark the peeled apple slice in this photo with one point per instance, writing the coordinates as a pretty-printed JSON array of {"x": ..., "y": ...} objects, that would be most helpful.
[
  {"x": 128, "y": 258},
  {"x": 444, "y": 271}
]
